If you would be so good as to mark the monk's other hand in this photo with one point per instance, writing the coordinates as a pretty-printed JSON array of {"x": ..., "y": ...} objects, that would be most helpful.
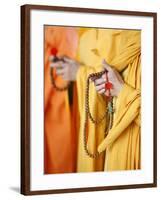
[
  {"x": 70, "y": 68},
  {"x": 66, "y": 68},
  {"x": 113, "y": 77}
]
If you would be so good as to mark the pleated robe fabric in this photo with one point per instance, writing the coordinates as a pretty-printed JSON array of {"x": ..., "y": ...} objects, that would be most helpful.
[
  {"x": 120, "y": 149},
  {"x": 59, "y": 135}
]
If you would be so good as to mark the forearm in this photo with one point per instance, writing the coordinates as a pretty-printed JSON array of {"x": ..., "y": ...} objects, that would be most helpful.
[{"x": 127, "y": 112}]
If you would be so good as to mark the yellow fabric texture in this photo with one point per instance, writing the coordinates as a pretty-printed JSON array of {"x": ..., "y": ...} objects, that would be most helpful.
[{"x": 121, "y": 147}]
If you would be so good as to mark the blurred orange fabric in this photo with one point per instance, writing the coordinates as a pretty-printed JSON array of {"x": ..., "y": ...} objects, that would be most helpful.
[{"x": 59, "y": 136}]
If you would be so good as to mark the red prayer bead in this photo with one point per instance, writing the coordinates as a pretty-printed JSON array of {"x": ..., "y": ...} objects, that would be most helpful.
[
  {"x": 108, "y": 85},
  {"x": 54, "y": 51}
]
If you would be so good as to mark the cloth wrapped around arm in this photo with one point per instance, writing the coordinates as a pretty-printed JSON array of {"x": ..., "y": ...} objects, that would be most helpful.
[{"x": 128, "y": 111}]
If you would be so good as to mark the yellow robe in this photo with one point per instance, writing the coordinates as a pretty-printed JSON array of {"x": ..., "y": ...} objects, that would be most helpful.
[{"x": 121, "y": 147}]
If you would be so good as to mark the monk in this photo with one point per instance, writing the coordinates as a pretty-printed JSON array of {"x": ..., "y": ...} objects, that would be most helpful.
[
  {"x": 59, "y": 125},
  {"x": 119, "y": 53}
]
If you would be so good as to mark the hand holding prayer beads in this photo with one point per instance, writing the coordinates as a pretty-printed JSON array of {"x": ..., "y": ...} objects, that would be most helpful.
[
  {"x": 55, "y": 60},
  {"x": 66, "y": 68},
  {"x": 110, "y": 83},
  {"x": 70, "y": 68}
]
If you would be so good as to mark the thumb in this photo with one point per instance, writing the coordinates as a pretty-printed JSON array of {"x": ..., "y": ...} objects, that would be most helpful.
[
  {"x": 106, "y": 65},
  {"x": 66, "y": 59}
]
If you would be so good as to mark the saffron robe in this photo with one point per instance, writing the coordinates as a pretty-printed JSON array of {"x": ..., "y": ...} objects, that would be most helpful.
[
  {"x": 59, "y": 135},
  {"x": 120, "y": 149}
]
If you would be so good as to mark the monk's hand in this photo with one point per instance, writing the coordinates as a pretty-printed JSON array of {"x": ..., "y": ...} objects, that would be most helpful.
[
  {"x": 113, "y": 77},
  {"x": 66, "y": 68}
]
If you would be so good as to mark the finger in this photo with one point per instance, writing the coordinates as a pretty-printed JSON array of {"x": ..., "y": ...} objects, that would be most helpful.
[
  {"x": 66, "y": 59},
  {"x": 65, "y": 65},
  {"x": 104, "y": 62},
  {"x": 61, "y": 58},
  {"x": 65, "y": 77},
  {"x": 106, "y": 66},
  {"x": 107, "y": 93},
  {"x": 53, "y": 65},
  {"x": 100, "y": 87},
  {"x": 60, "y": 72},
  {"x": 55, "y": 58},
  {"x": 104, "y": 76},
  {"x": 118, "y": 76},
  {"x": 59, "y": 68},
  {"x": 93, "y": 78},
  {"x": 56, "y": 64},
  {"x": 102, "y": 91},
  {"x": 100, "y": 81}
]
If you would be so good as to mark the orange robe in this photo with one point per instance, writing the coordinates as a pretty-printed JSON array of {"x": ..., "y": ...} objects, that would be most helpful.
[{"x": 59, "y": 135}]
